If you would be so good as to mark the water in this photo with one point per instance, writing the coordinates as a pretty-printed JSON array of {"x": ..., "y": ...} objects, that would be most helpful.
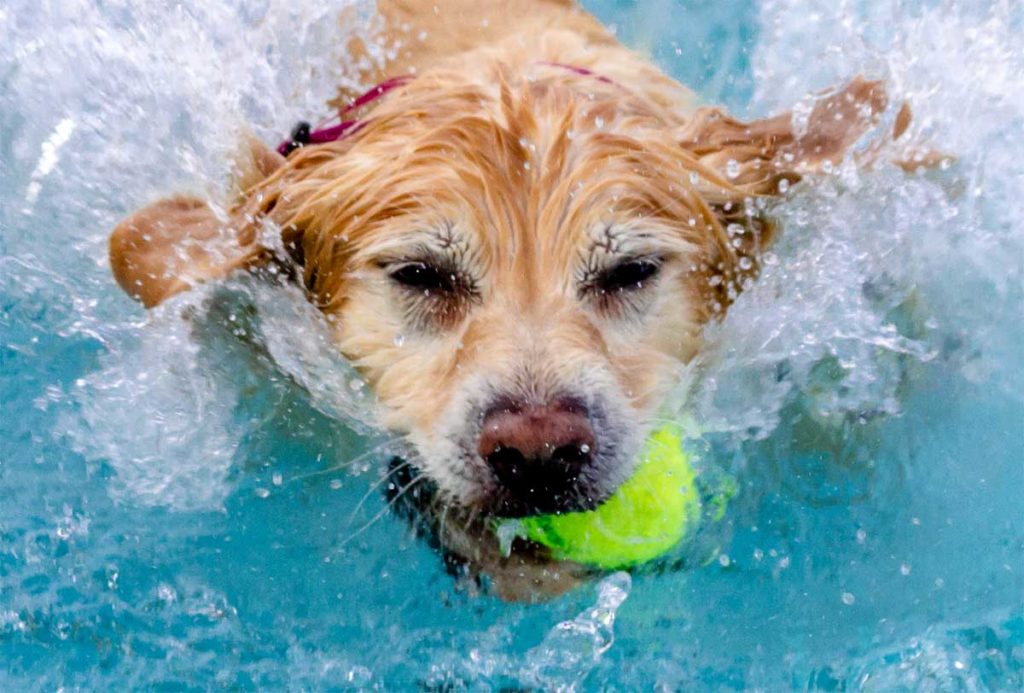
[{"x": 177, "y": 495}]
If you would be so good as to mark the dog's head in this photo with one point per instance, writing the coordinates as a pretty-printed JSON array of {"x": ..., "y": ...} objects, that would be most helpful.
[{"x": 518, "y": 267}]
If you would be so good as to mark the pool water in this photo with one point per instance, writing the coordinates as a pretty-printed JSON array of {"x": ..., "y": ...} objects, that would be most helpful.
[{"x": 195, "y": 502}]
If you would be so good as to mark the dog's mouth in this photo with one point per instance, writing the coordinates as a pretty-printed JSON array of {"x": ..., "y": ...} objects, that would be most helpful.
[
  {"x": 511, "y": 459},
  {"x": 523, "y": 492},
  {"x": 557, "y": 483},
  {"x": 508, "y": 505},
  {"x": 538, "y": 459},
  {"x": 410, "y": 489}
]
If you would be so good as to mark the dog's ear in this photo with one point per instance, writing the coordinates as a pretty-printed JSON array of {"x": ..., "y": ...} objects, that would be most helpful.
[
  {"x": 175, "y": 243},
  {"x": 739, "y": 164},
  {"x": 754, "y": 157}
]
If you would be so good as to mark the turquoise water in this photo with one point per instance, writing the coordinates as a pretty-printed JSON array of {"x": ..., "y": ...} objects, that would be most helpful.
[{"x": 177, "y": 497}]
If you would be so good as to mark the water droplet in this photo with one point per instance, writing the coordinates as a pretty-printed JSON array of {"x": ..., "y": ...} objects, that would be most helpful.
[
  {"x": 359, "y": 676},
  {"x": 783, "y": 186},
  {"x": 904, "y": 569},
  {"x": 848, "y": 598},
  {"x": 166, "y": 593},
  {"x": 507, "y": 532},
  {"x": 262, "y": 492},
  {"x": 277, "y": 479},
  {"x": 584, "y": 448},
  {"x": 599, "y": 122},
  {"x": 399, "y": 339},
  {"x": 732, "y": 168}
]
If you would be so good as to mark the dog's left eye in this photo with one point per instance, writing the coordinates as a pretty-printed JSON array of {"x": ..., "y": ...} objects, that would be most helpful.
[
  {"x": 424, "y": 277},
  {"x": 628, "y": 275}
]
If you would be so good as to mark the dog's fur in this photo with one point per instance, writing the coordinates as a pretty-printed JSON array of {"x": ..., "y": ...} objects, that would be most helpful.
[{"x": 526, "y": 179}]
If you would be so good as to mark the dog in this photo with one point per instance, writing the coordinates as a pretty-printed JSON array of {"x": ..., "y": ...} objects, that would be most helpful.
[{"x": 516, "y": 237}]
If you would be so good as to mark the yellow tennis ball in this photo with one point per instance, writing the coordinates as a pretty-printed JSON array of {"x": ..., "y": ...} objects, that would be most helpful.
[{"x": 648, "y": 515}]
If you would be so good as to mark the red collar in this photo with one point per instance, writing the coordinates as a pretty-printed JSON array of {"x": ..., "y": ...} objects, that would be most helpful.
[{"x": 303, "y": 133}]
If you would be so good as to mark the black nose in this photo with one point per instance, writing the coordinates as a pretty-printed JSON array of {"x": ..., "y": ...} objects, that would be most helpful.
[{"x": 537, "y": 454}]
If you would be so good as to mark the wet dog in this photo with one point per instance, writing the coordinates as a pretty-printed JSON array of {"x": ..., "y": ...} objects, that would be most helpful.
[{"x": 517, "y": 237}]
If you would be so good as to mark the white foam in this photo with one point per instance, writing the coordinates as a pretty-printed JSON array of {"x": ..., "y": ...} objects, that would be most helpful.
[
  {"x": 141, "y": 100},
  {"x": 573, "y": 648},
  {"x": 948, "y": 245},
  {"x": 157, "y": 418}
]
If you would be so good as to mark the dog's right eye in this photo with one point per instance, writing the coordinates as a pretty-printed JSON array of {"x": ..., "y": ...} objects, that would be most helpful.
[{"x": 423, "y": 277}]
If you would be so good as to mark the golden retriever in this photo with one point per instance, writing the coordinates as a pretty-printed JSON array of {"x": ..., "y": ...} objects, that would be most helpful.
[{"x": 517, "y": 240}]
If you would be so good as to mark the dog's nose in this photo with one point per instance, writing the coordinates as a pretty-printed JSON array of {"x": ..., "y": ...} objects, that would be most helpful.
[{"x": 537, "y": 453}]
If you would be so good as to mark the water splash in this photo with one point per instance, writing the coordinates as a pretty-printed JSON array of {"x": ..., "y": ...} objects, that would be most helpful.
[
  {"x": 573, "y": 648},
  {"x": 877, "y": 269},
  {"x": 158, "y": 419},
  {"x": 139, "y": 117}
]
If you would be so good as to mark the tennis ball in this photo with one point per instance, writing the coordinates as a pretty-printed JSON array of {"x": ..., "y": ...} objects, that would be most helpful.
[{"x": 649, "y": 514}]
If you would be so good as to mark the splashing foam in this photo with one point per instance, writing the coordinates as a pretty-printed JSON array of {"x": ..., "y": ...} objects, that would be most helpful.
[
  {"x": 163, "y": 413},
  {"x": 157, "y": 418},
  {"x": 573, "y": 648},
  {"x": 875, "y": 267},
  {"x": 151, "y": 99}
]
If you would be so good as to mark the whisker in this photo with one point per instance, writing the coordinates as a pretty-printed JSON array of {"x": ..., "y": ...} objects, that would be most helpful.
[
  {"x": 376, "y": 485},
  {"x": 470, "y": 519},
  {"x": 441, "y": 523},
  {"x": 383, "y": 511},
  {"x": 348, "y": 463}
]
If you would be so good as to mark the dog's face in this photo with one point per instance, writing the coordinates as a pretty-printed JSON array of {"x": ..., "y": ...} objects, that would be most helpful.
[
  {"x": 519, "y": 325},
  {"x": 518, "y": 270}
]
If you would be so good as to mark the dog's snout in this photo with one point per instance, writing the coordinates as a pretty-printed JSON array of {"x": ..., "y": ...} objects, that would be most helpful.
[{"x": 537, "y": 453}]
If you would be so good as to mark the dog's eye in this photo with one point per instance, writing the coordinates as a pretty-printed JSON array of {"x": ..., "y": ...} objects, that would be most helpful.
[
  {"x": 626, "y": 276},
  {"x": 423, "y": 277}
]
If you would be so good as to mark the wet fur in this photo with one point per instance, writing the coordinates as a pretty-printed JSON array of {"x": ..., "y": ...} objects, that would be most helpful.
[{"x": 526, "y": 178}]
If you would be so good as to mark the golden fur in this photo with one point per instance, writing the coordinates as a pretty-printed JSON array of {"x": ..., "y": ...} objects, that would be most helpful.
[{"x": 526, "y": 179}]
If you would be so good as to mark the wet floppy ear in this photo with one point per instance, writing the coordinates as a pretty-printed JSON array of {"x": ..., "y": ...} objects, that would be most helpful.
[
  {"x": 741, "y": 163},
  {"x": 178, "y": 242},
  {"x": 755, "y": 156}
]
